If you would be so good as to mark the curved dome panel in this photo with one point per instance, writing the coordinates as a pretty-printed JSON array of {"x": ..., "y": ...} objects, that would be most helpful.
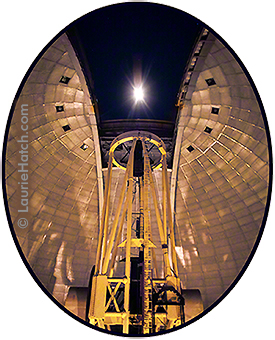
[
  {"x": 63, "y": 167},
  {"x": 55, "y": 173},
  {"x": 222, "y": 170}
]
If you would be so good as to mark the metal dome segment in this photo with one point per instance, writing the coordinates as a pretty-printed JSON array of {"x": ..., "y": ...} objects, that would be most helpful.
[{"x": 219, "y": 183}]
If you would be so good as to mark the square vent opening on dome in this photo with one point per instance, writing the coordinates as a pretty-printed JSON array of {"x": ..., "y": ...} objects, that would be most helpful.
[
  {"x": 66, "y": 127},
  {"x": 59, "y": 108},
  {"x": 215, "y": 110},
  {"x": 210, "y": 81},
  {"x": 84, "y": 146},
  {"x": 208, "y": 129},
  {"x": 64, "y": 80},
  {"x": 190, "y": 148}
]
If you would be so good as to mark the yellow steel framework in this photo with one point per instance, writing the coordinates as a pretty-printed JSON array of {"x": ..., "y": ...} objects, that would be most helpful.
[{"x": 162, "y": 303}]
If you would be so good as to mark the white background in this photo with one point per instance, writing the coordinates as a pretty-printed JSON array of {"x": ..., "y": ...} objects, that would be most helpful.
[{"x": 248, "y": 311}]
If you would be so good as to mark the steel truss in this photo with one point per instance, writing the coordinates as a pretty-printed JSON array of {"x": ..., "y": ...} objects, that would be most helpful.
[{"x": 162, "y": 304}]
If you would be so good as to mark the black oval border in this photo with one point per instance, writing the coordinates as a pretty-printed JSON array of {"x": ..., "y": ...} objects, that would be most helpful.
[{"x": 261, "y": 230}]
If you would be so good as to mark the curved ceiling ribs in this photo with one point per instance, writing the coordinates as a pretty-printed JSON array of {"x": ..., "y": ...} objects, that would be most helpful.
[
  {"x": 65, "y": 174},
  {"x": 221, "y": 169},
  {"x": 219, "y": 180}
]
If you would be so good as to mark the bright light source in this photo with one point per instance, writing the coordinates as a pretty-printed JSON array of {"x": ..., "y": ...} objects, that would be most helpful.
[{"x": 139, "y": 94}]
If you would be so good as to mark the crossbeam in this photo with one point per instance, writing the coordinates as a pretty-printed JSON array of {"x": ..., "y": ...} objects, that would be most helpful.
[{"x": 110, "y": 242}]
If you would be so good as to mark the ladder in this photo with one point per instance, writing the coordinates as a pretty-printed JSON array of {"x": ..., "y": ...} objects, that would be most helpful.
[{"x": 147, "y": 284}]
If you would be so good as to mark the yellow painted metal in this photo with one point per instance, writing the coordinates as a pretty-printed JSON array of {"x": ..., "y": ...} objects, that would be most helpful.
[
  {"x": 112, "y": 297},
  {"x": 137, "y": 243},
  {"x": 77, "y": 298},
  {"x": 128, "y": 243},
  {"x": 115, "y": 248},
  {"x": 173, "y": 312},
  {"x": 97, "y": 307},
  {"x": 115, "y": 145},
  {"x": 141, "y": 209},
  {"x": 170, "y": 219},
  {"x": 147, "y": 272},
  {"x": 118, "y": 210},
  {"x": 100, "y": 313},
  {"x": 155, "y": 267},
  {"x": 105, "y": 215},
  {"x": 153, "y": 139},
  {"x": 164, "y": 206},
  {"x": 114, "y": 226},
  {"x": 161, "y": 225},
  {"x": 120, "y": 141}
]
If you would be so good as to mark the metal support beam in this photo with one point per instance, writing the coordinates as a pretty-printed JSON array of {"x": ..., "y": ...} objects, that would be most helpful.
[
  {"x": 104, "y": 217},
  {"x": 127, "y": 177},
  {"x": 106, "y": 307},
  {"x": 147, "y": 272},
  {"x": 161, "y": 226},
  {"x": 170, "y": 218},
  {"x": 129, "y": 203}
]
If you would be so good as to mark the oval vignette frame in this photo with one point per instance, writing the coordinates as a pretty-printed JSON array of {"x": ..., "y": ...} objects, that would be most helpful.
[{"x": 261, "y": 229}]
